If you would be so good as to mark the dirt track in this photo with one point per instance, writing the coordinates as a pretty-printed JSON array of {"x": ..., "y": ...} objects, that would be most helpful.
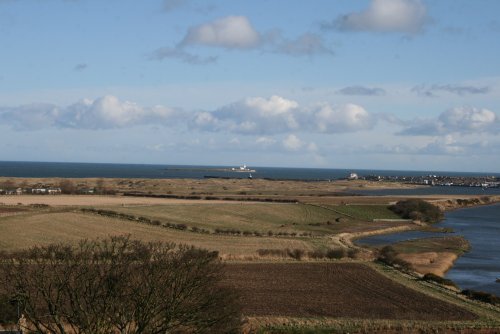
[{"x": 344, "y": 290}]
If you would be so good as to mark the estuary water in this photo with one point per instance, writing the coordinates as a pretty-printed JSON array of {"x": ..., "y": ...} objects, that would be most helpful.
[{"x": 477, "y": 269}]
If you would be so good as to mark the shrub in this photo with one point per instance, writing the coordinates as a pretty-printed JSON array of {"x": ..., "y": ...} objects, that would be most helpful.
[
  {"x": 317, "y": 254},
  {"x": 8, "y": 309},
  {"x": 387, "y": 255},
  {"x": 296, "y": 253},
  {"x": 335, "y": 253},
  {"x": 482, "y": 296},
  {"x": 352, "y": 253},
  {"x": 417, "y": 209},
  {"x": 430, "y": 277},
  {"x": 272, "y": 252}
]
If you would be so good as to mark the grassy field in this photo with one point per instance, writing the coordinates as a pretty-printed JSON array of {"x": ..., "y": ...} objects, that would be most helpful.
[
  {"x": 26, "y": 230},
  {"x": 261, "y": 217},
  {"x": 454, "y": 244},
  {"x": 43, "y": 225},
  {"x": 242, "y": 216},
  {"x": 366, "y": 212}
]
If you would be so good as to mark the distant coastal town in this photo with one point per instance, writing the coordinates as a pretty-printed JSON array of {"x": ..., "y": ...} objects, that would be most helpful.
[{"x": 435, "y": 180}]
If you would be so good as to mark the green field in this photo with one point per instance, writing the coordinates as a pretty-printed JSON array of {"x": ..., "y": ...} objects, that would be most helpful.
[
  {"x": 454, "y": 244},
  {"x": 366, "y": 212},
  {"x": 26, "y": 230},
  {"x": 260, "y": 225},
  {"x": 261, "y": 217}
]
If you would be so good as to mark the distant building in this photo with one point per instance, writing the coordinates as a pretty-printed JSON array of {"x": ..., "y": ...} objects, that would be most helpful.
[
  {"x": 54, "y": 191},
  {"x": 353, "y": 176},
  {"x": 39, "y": 190}
]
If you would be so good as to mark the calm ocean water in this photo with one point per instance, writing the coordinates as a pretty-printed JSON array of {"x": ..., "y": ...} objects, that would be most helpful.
[
  {"x": 81, "y": 170},
  {"x": 477, "y": 269}
]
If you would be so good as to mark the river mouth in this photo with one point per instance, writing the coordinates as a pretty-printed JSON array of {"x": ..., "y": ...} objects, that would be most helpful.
[{"x": 477, "y": 269}]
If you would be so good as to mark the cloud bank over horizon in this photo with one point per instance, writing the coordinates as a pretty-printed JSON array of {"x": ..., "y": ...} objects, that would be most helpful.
[{"x": 250, "y": 116}]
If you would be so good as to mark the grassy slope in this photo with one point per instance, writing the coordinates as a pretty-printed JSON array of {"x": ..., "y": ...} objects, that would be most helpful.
[
  {"x": 23, "y": 231},
  {"x": 454, "y": 244},
  {"x": 261, "y": 217},
  {"x": 366, "y": 212},
  {"x": 243, "y": 216}
]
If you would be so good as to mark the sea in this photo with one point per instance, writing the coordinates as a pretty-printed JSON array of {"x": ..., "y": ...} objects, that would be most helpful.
[{"x": 83, "y": 170}]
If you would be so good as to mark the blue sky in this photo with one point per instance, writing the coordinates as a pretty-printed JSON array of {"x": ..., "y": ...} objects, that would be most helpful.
[{"x": 389, "y": 84}]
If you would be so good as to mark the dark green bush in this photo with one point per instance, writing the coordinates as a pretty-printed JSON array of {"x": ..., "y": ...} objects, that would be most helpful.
[
  {"x": 430, "y": 277},
  {"x": 296, "y": 253},
  {"x": 8, "y": 310},
  {"x": 482, "y": 296},
  {"x": 336, "y": 253},
  {"x": 417, "y": 209}
]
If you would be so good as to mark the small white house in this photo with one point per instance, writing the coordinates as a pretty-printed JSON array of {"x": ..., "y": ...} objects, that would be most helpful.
[{"x": 353, "y": 176}]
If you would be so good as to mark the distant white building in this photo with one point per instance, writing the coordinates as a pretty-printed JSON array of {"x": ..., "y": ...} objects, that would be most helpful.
[{"x": 353, "y": 176}]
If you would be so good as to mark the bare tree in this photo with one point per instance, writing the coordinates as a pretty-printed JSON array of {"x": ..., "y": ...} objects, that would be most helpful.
[
  {"x": 118, "y": 285},
  {"x": 67, "y": 186}
]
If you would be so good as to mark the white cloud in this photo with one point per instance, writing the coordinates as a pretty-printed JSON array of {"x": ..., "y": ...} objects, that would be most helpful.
[
  {"x": 103, "y": 113},
  {"x": 465, "y": 120},
  {"x": 276, "y": 114},
  {"x": 346, "y": 118},
  {"x": 254, "y": 115},
  {"x": 446, "y": 145},
  {"x": 405, "y": 16},
  {"x": 30, "y": 117},
  {"x": 265, "y": 141},
  {"x": 292, "y": 143},
  {"x": 232, "y": 32},
  {"x": 468, "y": 119}
]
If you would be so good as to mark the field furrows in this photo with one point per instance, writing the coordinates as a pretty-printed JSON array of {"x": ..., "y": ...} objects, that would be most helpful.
[{"x": 344, "y": 290}]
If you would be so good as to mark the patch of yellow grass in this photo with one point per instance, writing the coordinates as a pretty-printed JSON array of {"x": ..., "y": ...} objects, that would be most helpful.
[
  {"x": 19, "y": 232},
  {"x": 437, "y": 263}
]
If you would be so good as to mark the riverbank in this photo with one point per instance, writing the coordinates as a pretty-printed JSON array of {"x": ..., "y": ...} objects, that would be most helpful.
[{"x": 475, "y": 258}]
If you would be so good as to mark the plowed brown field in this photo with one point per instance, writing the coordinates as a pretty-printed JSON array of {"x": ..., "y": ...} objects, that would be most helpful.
[{"x": 344, "y": 290}]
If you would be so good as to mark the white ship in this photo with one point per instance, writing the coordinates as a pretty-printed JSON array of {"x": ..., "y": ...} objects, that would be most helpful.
[{"x": 243, "y": 169}]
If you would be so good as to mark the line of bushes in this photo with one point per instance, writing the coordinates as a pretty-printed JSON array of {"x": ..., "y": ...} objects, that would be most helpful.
[
  {"x": 430, "y": 277},
  {"x": 482, "y": 296},
  {"x": 145, "y": 220},
  {"x": 388, "y": 255},
  {"x": 298, "y": 254},
  {"x": 184, "y": 227},
  {"x": 213, "y": 198}
]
